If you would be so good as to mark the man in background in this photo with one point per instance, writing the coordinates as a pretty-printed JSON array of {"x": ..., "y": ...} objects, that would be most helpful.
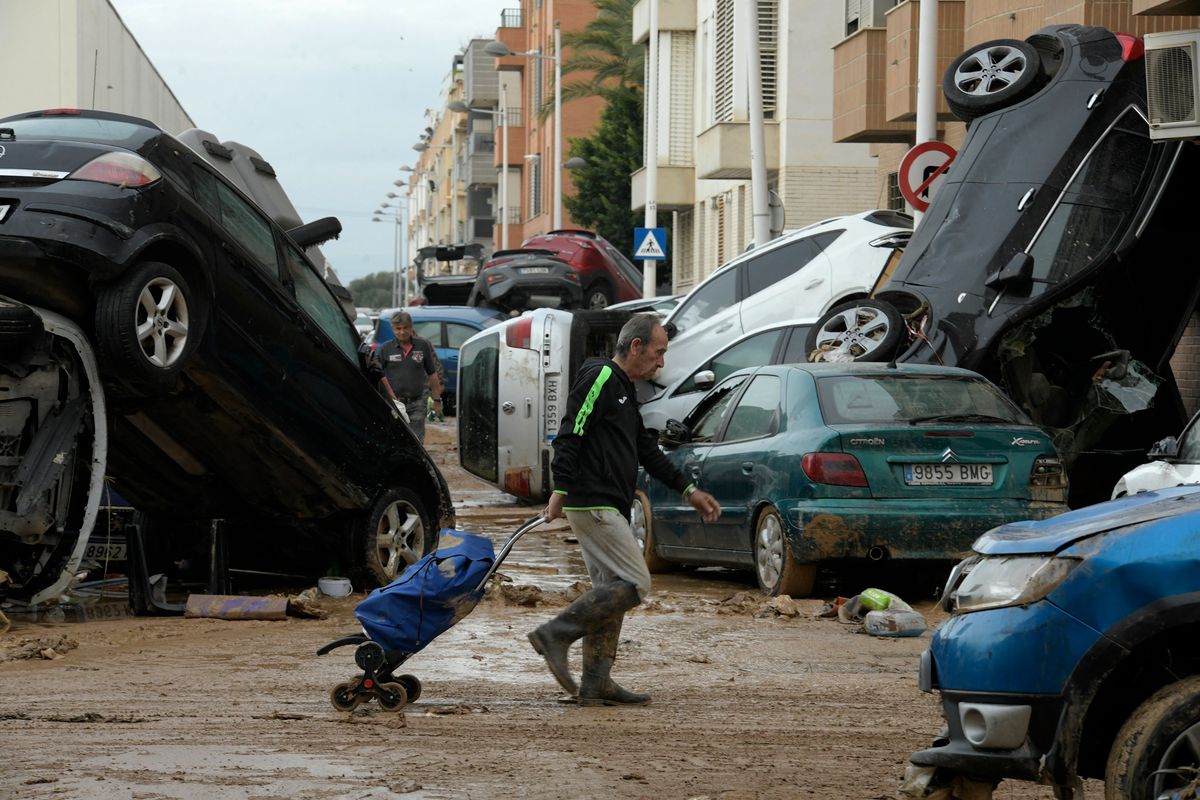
[{"x": 410, "y": 368}]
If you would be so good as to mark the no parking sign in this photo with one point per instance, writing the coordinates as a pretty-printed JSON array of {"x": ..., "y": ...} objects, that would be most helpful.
[{"x": 922, "y": 170}]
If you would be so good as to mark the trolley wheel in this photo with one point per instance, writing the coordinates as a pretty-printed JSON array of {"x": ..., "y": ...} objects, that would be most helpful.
[
  {"x": 369, "y": 656},
  {"x": 345, "y": 696},
  {"x": 412, "y": 685},
  {"x": 391, "y": 696}
]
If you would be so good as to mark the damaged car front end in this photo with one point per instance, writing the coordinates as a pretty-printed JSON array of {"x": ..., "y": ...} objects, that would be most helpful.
[
  {"x": 53, "y": 449},
  {"x": 1049, "y": 241},
  {"x": 1065, "y": 635}
]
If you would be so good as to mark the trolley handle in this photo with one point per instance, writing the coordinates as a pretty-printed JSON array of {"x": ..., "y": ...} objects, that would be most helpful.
[{"x": 525, "y": 528}]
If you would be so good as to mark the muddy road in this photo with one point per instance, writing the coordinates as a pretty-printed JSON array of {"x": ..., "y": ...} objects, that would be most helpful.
[{"x": 747, "y": 703}]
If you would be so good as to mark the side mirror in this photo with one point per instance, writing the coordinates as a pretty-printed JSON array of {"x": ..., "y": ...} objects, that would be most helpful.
[
  {"x": 704, "y": 379},
  {"x": 671, "y": 330},
  {"x": 1016, "y": 276},
  {"x": 675, "y": 434},
  {"x": 368, "y": 360},
  {"x": 316, "y": 232},
  {"x": 1164, "y": 449}
]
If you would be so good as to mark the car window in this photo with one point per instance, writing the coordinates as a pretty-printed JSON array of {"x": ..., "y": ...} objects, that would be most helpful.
[
  {"x": 797, "y": 349},
  {"x": 623, "y": 264},
  {"x": 81, "y": 128},
  {"x": 826, "y": 238},
  {"x": 754, "y": 351},
  {"x": 456, "y": 334},
  {"x": 479, "y": 405},
  {"x": 706, "y": 419},
  {"x": 718, "y": 294},
  {"x": 314, "y": 296},
  {"x": 249, "y": 229},
  {"x": 767, "y": 269},
  {"x": 848, "y": 399},
  {"x": 204, "y": 185},
  {"x": 757, "y": 412},
  {"x": 430, "y": 329}
]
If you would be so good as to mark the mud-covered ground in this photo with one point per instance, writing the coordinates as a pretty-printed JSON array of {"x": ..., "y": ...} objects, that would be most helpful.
[{"x": 748, "y": 703}]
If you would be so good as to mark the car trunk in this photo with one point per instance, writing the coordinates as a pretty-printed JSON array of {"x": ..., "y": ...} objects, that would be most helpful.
[{"x": 919, "y": 461}]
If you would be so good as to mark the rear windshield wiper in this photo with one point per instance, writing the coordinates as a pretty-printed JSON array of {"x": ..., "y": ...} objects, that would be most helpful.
[{"x": 958, "y": 418}]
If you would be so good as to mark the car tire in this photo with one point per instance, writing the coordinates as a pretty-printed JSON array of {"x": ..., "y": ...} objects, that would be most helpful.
[
  {"x": 597, "y": 296},
  {"x": 991, "y": 76},
  {"x": 641, "y": 521},
  {"x": 776, "y": 568},
  {"x": 861, "y": 330},
  {"x": 147, "y": 325},
  {"x": 1155, "y": 742},
  {"x": 396, "y": 532}
]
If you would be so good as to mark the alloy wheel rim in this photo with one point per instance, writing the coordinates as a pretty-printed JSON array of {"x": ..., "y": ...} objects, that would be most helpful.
[
  {"x": 769, "y": 557},
  {"x": 161, "y": 322},
  {"x": 1179, "y": 766},
  {"x": 854, "y": 332},
  {"x": 990, "y": 70},
  {"x": 398, "y": 538},
  {"x": 597, "y": 301}
]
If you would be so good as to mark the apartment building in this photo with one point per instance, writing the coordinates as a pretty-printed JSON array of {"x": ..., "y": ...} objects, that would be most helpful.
[{"x": 702, "y": 150}]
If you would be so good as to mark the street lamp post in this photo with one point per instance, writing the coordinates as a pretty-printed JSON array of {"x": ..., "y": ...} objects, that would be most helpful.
[
  {"x": 502, "y": 125},
  {"x": 499, "y": 49}
]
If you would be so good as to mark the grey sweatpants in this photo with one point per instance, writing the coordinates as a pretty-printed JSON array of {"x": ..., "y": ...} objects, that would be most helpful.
[
  {"x": 609, "y": 549},
  {"x": 417, "y": 410}
]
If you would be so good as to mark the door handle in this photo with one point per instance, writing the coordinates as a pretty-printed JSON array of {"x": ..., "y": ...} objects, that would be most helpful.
[
  {"x": 723, "y": 328},
  {"x": 528, "y": 407},
  {"x": 747, "y": 467},
  {"x": 814, "y": 284},
  {"x": 696, "y": 472}
]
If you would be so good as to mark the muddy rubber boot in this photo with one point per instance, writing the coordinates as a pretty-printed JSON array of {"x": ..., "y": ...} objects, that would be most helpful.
[
  {"x": 553, "y": 640},
  {"x": 599, "y": 652}
]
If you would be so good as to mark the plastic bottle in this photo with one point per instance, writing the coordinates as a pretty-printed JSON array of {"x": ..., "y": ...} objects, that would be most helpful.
[{"x": 894, "y": 623}]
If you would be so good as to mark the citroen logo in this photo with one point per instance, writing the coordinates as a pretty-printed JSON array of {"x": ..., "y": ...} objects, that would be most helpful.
[
  {"x": 949, "y": 456},
  {"x": 1, "y": 151}
]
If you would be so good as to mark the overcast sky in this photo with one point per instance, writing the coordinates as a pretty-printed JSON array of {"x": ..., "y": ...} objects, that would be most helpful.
[{"x": 331, "y": 92}]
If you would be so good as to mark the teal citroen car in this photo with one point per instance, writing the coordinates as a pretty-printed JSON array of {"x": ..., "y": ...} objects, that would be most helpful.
[{"x": 825, "y": 463}]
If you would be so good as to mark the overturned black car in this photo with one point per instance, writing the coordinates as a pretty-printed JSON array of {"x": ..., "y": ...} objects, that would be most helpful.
[
  {"x": 1048, "y": 258},
  {"x": 520, "y": 280},
  {"x": 158, "y": 329}
]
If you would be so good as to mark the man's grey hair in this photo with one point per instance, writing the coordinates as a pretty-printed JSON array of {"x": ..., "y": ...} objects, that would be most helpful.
[
  {"x": 401, "y": 317},
  {"x": 640, "y": 326}
]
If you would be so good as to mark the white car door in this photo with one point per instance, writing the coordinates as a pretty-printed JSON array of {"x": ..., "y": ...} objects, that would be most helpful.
[
  {"x": 706, "y": 319},
  {"x": 786, "y": 282}
]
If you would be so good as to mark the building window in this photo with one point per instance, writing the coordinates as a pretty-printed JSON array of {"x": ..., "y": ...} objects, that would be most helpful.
[
  {"x": 768, "y": 54},
  {"x": 895, "y": 200},
  {"x": 723, "y": 66}
]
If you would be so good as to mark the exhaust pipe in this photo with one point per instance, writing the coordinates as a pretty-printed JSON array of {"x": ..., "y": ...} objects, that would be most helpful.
[{"x": 877, "y": 553}]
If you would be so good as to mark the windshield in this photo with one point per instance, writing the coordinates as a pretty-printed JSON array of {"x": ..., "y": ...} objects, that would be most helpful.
[
  {"x": 852, "y": 399},
  {"x": 88, "y": 129},
  {"x": 719, "y": 293},
  {"x": 1189, "y": 444},
  {"x": 478, "y": 405}
]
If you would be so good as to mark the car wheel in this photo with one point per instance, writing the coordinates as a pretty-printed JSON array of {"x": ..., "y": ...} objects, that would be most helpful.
[
  {"x": 395, "y": 534},
  {"x": 1154, "y": 754},
  {"x": 597, "y": 296},
  {"x": 990, "y": 76},
  {"x": 861, "y": 330},
  {"x": 776, "y": 568},
  {"x": 641, "y": 520},
  {"x": 147, "y": 325}
]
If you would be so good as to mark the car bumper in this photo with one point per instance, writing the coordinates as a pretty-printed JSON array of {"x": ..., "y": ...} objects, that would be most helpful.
[
  {"x": 903, "y": 529},
  {"x": 535, "y": 292}
]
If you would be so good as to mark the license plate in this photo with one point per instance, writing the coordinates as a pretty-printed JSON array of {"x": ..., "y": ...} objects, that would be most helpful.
[
  {"x": 553, "y": 408},
  {"x": 105, "y": 551},
  {"x": 948, "y": 474},
  {"x": 534, "y": 270}
]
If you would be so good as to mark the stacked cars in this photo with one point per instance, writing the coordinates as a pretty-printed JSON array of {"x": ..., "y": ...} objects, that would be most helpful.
[{"x": 225, "y": 380}]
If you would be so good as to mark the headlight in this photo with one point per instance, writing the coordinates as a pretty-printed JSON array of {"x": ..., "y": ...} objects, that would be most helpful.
[{"x": 1010, "y": 581}]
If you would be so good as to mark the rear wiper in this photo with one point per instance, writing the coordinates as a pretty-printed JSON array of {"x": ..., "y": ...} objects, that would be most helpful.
[{"x": 957, "y": 418}]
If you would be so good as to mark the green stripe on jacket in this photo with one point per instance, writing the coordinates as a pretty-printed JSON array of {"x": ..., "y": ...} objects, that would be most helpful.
[{"x": 589, "y": 402}]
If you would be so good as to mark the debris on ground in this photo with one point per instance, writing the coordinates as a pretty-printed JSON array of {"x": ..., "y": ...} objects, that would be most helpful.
[
  {"x": 47, "y": 647},
  {"x": 758, "y": 606},
  {"x": 929, "y": 783},
  {"x": 237, "y": 607},
  {"x": 531, "y": 596},
  {"x": 458, "y": 708},
  {"x": 880, "y": 613},
  {"x": 4, "y": 624}
]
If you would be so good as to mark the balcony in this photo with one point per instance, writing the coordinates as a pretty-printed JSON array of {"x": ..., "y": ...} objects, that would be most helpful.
[
  {"x": 513, "y": 33},
  {"x": 723, "y": 151},
  {"x": 860, "y": 90},
  {"x": 676, "y": 188},
  {"x": 673, "y": 15},
  {"x": 901, "y": 56}
]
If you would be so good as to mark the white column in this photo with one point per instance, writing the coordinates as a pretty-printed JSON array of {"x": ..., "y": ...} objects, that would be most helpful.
[
  {"x": 650, "y": 268},
  {"x": 758, "y": 157},
  {"x": 503, "y": 168},
  {"x": 927, "y": 79},
  {"x": 558, "y": 138}
]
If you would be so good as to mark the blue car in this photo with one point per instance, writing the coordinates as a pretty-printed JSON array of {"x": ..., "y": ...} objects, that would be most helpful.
[
  {"x": 1072, "y": 651},
  {"x": 447, "y": 327}
]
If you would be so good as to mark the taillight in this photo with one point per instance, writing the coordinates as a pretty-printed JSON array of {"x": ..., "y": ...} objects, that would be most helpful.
[
  {"x": 573, "y": 276},
  {"x": 493, "y": 278},
  {"x": 119, "y": 169},
  {"x": 1132, "y": 47},
  {"x": 520, "y": 333},
  {"x": 837, "y": 469},
  {"x": 516, "y": 481},
  {"x": 1047, "y": 473}
]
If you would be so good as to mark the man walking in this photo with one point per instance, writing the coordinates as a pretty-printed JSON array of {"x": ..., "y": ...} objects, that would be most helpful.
[
  {"x": 410, "y": 367},
  {"x": 596, "y": 454}
]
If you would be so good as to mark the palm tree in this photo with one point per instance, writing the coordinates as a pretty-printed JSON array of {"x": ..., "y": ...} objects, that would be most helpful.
[{"x": 603, "y": 48}]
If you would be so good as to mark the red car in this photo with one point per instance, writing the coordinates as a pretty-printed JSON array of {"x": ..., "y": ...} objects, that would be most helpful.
[{"x": 607, "y": 276}]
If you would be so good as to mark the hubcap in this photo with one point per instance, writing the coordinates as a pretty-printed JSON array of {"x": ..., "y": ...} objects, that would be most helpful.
[
  {"x": 1179, "y": 767},
  {"x": 769, "y": 556},
  {"x": 598, "y": 300},
  {"x": 161, "y": 320},
  {"x": 399, "y": 537},
  {"x": 990, "y": 70},
  {"x": 852, "y": 334}
]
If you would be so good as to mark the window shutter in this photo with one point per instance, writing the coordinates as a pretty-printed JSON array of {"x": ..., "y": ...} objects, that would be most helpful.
[
  {"x": 723, "y": 68},
  {"x": 683, "y": 72},
  {"x": 768, "y": 48}
]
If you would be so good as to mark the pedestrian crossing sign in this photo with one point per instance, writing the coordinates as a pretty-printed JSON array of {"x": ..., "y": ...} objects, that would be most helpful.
[{"x": 649, "y": 244}]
